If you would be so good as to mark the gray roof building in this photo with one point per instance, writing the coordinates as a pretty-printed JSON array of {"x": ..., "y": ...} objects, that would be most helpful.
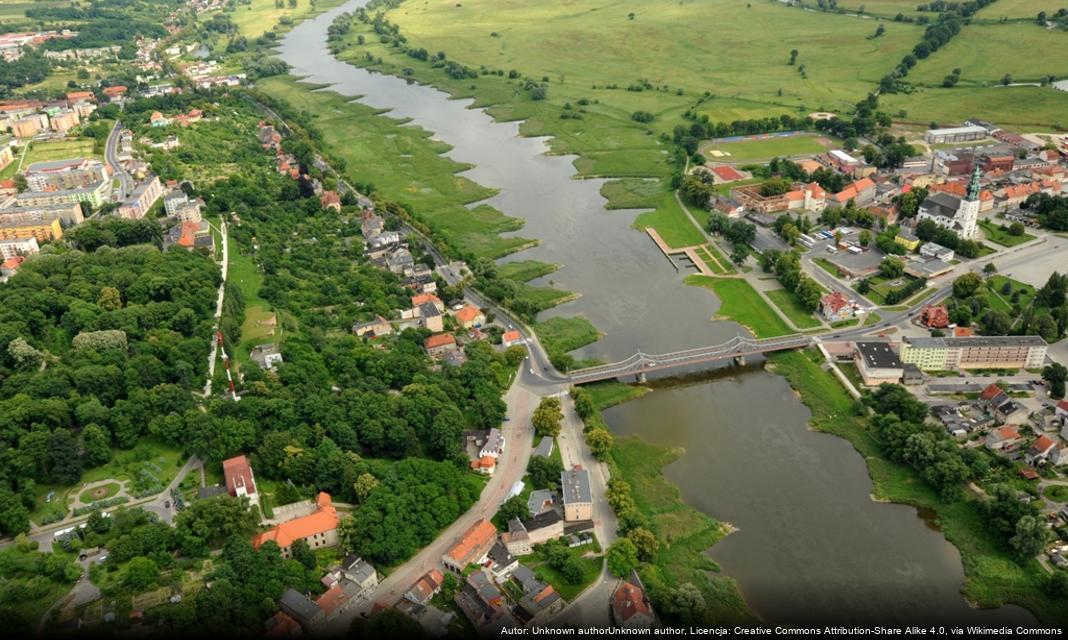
[
  {"x": 575, "y": 485},
  {"x": 299, "y": 607},
  {"x": 878, "y": 355}
]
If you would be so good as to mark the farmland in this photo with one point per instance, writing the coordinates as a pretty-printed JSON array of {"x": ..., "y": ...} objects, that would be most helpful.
[
  {"x": 986, "y": 53},
  {"x": 1029, "y": 108}
]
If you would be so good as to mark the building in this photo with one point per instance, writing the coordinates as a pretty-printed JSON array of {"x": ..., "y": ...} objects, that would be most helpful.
[
  {"x": 877, "y": 363},
  {"x": 577, "y": 495},
  {"x": 504, "y": 563},
  {"x": 950, "y": 212},
  {"x": 511, "y": 338},
  {"x": 30, "y": 125},
  {"x": 19, "y": 247},
  {"x": 266, "y": 355},
  {"x": 936, "y": 251},
  {"x": 377, "y": 326},
  {"x": 355, "y": 577},
  {"x": 190, "y": 236},
  {"x": 68, "y": 213},
  {"x": 836, "y": 307},
  {"x": 95, "y": 195},
  {"x": 494, "y": 445},
  {"x": 540, "y": 500},
  {"x": 64, "y": 120},
  {"x": 173, "y": 201},
  {"x": 330, "y": 200},
  {"x": 485, "y": 465},
  {"x": 472, "y": 546},
  {"x": 426, "y": 587},
  {"x": 861, "y": 193},
  {"x": 630, "y": 606},
  {"x": 41, "y": 231},
  {"x": 142, "y": 199},
  {"x": 439, "y": 344},
  {"x": 6, "y": 155},
  {"x": 522, "y": 535},
  {"x": 430, "y": 317},
  {"x": 954, "y": 134},
  {"x": 469, "y": 316},
  {"x": 318, "y": 529},
  {"x": 300, "y": 608},
  {"x": 1040, "y": 450},
  {"x": 935, "y": 317},
  {"x": 484, "y": 605},
  {"x": 240, "y": 482},
  {"x": 1003, "y": 438},
  {"x": 974, "y": 352},
  {"x": 72, "y": 173},
  {"x": 540, "y": 601}
]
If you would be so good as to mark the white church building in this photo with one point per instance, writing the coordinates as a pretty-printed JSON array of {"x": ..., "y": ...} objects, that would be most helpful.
[{"x": 951, "y": 212}]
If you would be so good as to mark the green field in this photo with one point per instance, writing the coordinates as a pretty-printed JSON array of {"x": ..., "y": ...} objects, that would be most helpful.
[
  {"x": 741, "y": 303},
  {"x": 597, "y": 43},
  {"x": 993, "y": 578},
  {"x": 671, "y": 222},
  {"x": 406, "y": 166},
  {"x": 996, "y": 234},
  {"x": 561, "y": 335},
  {"x": 15, "y": 10},
  {"x": 1018, "y": 9},
  {"x": 262, "y": 15},
  {"x": 985, "y": 53},
  {"x": 789, "y": 304},
  {"x": 1026, "y": 108},
  {"x": 1003, "y": 301},
  {"x": 886, "y": 8},
  {"x": 746, "y": 151},
  {"x": 59, "y": 150},
  {"x": 632, "y": 193}
]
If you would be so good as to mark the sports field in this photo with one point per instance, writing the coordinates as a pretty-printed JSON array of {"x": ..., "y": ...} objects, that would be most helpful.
[
  {"x": 58, "y": 150},
  {"x": 985, "y": 53},
  {"x": 752, "y": 148},
  {"x": 730, "y": 48}
]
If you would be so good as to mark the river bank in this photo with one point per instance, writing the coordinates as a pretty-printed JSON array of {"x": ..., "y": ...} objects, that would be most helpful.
[{"x": 807, "y": 525}]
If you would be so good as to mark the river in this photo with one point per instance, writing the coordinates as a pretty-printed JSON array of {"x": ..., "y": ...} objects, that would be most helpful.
[{"x": 811, "y": 545}]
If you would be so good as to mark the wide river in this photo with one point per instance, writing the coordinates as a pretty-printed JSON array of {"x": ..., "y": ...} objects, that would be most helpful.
[{"x": 811, "y": 546}]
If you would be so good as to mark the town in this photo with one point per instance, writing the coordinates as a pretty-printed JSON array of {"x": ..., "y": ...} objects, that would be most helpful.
[{"x": 309, "y": 329}]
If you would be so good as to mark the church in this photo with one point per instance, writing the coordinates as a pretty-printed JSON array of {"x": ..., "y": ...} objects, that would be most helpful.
[{"x": 957, "y": 214}]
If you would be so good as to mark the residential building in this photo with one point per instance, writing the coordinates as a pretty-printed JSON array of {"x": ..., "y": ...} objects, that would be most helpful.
[
  {"x": 484, "y": 605},
  {"x": 377, "y": 326},
  {"x": 504, "y": 563},
  {"x": 41, "y": 231},
  {"x": 439, "y": 344},
  {"x": 142, "y": 199},
  {"x": 540, "y": 500},
  {"x": 318, "y": 529},
  {"x": 174, "y": 200},
  {"x": 72, "y": 173},
  {"x": 190, "y": 236},
  {"x": 577, "y": 494},
  {"x": 6, "y": 156},
  {"x": 954, "y": 134},
  {"x": 877, "y": 363},
  {"x": 540, "y": 602},
  {"x": 18, "y": 247},
  {"x": 426, "y": 587},
  {"x": 266, "y": 355},
  {"x": 469, "y": 316},
  {"x": 485, "y": 465},
  {"x": 861, "y": 193},
  {"x": 425, "y": 298},
  {"x": 240, "y": 483},
  {"x": 494, "y": 445},
  {"x": 330, "y": 200},
  {"x": 30, "y": 125},
  {"x": 631, "y": 608},
  {"x": 935, "y": 316},
  {"x": 95, "y": 195},
  {"x": 64, "y": 120},
  {"x": 975, "y": 352},
  {"x": 907, "y": 239},
  {"x": 511, "y": 338},
  {"x": 522, "y": 535},
  {"x": 300, "y": 608},
  {"x": 1040, "y": 450},
  {"x": 68, "y": 213},
  {"x": 836, "y": 307},
  {"x": 472, "y": 546},
  {"x": 950, "y": 212},
  {"x": 356, "y": 577},
  {"x": 1003, "y": 438}
]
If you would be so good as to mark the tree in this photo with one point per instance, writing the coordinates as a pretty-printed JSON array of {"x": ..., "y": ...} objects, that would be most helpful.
[
  {"x": 891, "y": 267},
  {"x": 865, "y": 238},
  {"x": 967, "y": 285},
  {"x": 1031, "y": 536},
  {"x": 303, "y": 554},
  {"x": 1055, "y": 375},
  {"x": 622, "y": 557},
  {"x": 514, "y": 507},
  {"x": 989, "y": 269},
  {"x": 547, "y": 417},
  {"x": 110, "y": 299},
  {"x": 600, "y": 442},
  {"x": 645, "y": 542},
  {"x": 95, "y": 445},
  {"x": 140, "y": 574},
  {"x": 793, "y": 56},
  {"x": 544, "y": 472},
  {"x": 391, "y": 623},
  {"x": 1016, "y": 228},
  {"x": 364, "y": 485}
]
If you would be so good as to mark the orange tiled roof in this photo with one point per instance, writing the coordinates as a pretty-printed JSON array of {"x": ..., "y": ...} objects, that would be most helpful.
[
  {"x": 423, "y": 298},
  {"x": 510, "y": 336},
  {"x": 467, "y": 314},
  {"x": 324, "y": 519},
  {"x": 439, "y": 340},
  {"x": 331, "y": 599},
  {"x": 864, "y": 184},
  {"x": 477, "y": 536}
]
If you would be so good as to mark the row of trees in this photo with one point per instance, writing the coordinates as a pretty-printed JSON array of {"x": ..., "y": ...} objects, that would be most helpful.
[{"x": 786, "y": 265}]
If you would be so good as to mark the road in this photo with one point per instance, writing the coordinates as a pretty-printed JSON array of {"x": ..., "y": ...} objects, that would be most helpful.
[
  {"x": 224, "y": 266},
  {"x": 522, "y": 397},
  {"x": 111, "y": 154}
]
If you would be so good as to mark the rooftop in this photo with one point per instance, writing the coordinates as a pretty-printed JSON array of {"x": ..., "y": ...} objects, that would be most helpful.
[
  {"x": 324, "y": 519},
  {"x": 879, "y": 355},
  {"x": 575, "y": 485}
]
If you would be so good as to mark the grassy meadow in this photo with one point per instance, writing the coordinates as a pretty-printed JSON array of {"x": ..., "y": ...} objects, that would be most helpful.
[
  {"x": 1018, "y": 9},
  {"x": 740, "y": 302},
  {"x": 985, "y": 53},
  {"x": 746, "y": 151},
  {"x": 262, "y": 15},
  {"x": 1021, "y": 108},
  {"x": 59, "y": 150}
]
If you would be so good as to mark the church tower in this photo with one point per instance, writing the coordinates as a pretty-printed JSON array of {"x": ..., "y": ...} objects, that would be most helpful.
[{"x": 968, "y": 212}]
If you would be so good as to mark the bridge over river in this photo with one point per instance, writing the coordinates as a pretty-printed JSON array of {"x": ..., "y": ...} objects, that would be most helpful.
[{"x": 639, "y": 364}]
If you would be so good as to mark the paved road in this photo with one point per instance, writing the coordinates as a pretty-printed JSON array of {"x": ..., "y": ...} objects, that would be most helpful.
[
  {"x": 111, "y": 154},
  {"x": 218, "y": 308},
  {"x": 521, "y": 399}
]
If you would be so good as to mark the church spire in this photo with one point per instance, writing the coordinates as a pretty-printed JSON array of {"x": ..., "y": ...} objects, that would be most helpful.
[{"x": 973, "y": 186}]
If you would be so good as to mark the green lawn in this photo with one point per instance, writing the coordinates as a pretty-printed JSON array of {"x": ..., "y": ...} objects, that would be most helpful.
[
  {"x": 257, "y": 16},
  {"x": 881, "y": 286},
  {"x": 993, "y": 578},
  {"x": 998, "y": 235},
  {"x": 985, "y": 53},
  {"x": 406, "y": 166},
  {"x": 828, "y": 266},
  {"x": 745, "y": 151},
  {"x": 244, "y": 273},
  {"x": 58, "y": 150},
  {"x": 561, "y": 335},
  {"x": 526, "y": 270},
  {"x": 1000, "y": 301},
  {"x": 789, "y": 304},
  {"x": 1018, "y": 9},
  {"x": 740, "y": 302},
  {"x": 632, "y": 193},
  {"x": 671, "y": 222},
  {"x": 591, "y": 568},
  {"x": 1057, "y": 493}
]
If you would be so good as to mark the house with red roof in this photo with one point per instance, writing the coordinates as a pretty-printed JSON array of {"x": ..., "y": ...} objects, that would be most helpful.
[
  {"x": 318, "y": 529},
  {"x": 1003, "y": 438},
  {"x": 469, "y": 316},
  {"x": 511, "y": 338},
  {"x": 472, "y": 546},
  {"x": 836, "y": 307},
  {"x": 630, "y": 606},
  {"x": 240, "y": 483},
  {"x": 439, "y": 344},
  {"x": 861, "y": 192},
  {"x": 1040, "y": 450},
  {"x": 935, "y": 316},
  {"x": 426, "y": 587},
  {"x": 115, "y": 93},
  {"x": 330, "y": 200},
  {"x": 1061, "y": 409}
]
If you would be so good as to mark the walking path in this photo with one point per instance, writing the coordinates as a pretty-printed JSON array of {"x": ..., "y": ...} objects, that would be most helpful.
[{"x": 212, "y": 356}]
